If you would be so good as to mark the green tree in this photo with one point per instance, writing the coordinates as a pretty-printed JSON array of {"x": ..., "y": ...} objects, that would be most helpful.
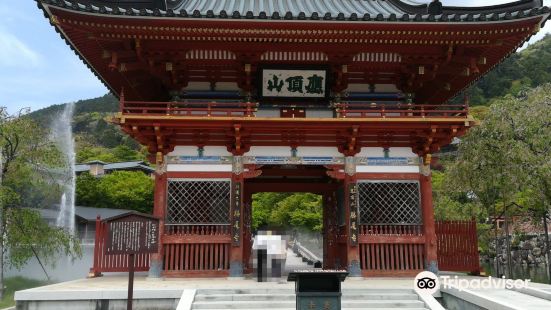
[
  {"x": 286, "y": 210},
  {"x": 263, "y": 205},
  {"x": 88, "y": 192},
  {"x": 508, "y": 156},
  {"x": 27, "y": 158},
  {"x": 127, "y": 190}
]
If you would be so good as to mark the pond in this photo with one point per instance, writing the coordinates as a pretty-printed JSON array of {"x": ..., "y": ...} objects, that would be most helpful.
[{"x": 537, "y": 274}]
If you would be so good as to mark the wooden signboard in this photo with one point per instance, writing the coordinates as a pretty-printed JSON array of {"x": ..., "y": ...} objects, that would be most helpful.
[
  {"x": 292, "y": 84},
  {"x": 354, "y": 214},
  {"x": 130, "y": 234}
]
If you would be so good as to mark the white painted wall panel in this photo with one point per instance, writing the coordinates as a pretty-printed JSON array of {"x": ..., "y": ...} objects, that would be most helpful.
[
  {"x": 198, "y": 168},
  {"x": 306, "y": 151},
  {"x": 371, "y": 152},
  {"x": 192, "y": 151},
  {"x": 269, "y": 151},
  {"x": 402, "y": 152},
  {"x": 387, "y": 169}
]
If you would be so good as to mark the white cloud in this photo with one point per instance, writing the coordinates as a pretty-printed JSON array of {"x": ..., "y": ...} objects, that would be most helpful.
[{"x": 15, "y": 53}]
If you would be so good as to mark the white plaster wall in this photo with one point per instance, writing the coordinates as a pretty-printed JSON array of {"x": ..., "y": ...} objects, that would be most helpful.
[
  {"x": 192, "y": 151},
  {"x": 303, "y": 151},
  {"x": 371, "y": 152},
  {"x": 379, "y": 152},
  {"x": 269, "y": 151},
  {"x": 198, "y": 86},
  {"x": 311, "y": 113},
  {"x": 387, "y": 169},
  {"x": 226, "y": 86},
  {"x": 267, "y": 113},
  {"x": 198, "y": 168},
  {"x": 402, "y": 152}
]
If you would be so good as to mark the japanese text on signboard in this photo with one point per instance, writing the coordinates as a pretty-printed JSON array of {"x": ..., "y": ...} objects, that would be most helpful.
[
  {"x": 132, "y": 234},
  {"x": 354, "y": 218},
  {"x": 294, "y": 83},
  {"x": 236, "y": 214}
]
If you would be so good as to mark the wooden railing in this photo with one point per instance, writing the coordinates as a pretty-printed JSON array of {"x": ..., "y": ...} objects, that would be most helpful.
[
  {"x": 199, "y": 108},
  {"x": 391, "y": 249},
  {"x": 112, "y": 263},
  {"x": 371, "y": 110},
  {"x": 196, "y": 250},
  {"x": 457, "y": 246},
  {"x": 233, "y": 108},
  {"x": 402, "y": 258},
  {"x": 196, "y": 259}
]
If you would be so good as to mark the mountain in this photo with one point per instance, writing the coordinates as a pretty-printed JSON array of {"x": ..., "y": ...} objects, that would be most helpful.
[
  {"x": 105, "y": 104},
  {"x": 526, "y": 69},
  {"x": 96, "y": 138}
]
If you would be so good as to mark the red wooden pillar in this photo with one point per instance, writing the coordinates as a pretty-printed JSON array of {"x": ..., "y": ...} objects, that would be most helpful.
[
  {"x": 351, "y": 217},
  {"x": 247, "y": 233},
  {"x": 429, "y": 229},
  {"x": 159, "y": 210},
  {"x": 330, "y": 230},
  {"x": 236, "y": 217},
  {"x": 98, "y": 253}
]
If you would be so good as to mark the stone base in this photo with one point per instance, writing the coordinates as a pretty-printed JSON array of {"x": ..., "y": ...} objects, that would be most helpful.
[
  {"x": 354, "y": 269},
  {"x": 155, "y": 269},
  {"x": 432, "y": 266},
  {"x": 236, "y": 270}
]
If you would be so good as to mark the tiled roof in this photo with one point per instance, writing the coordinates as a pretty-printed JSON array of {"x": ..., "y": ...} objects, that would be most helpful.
[
  {"x": 130, "y": 165},
  {"x": 339, "y": 10},
  {"x": 86, "y": 213}
]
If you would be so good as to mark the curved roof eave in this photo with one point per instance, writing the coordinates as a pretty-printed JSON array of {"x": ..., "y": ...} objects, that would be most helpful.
[{"x": 404, "y": 12}]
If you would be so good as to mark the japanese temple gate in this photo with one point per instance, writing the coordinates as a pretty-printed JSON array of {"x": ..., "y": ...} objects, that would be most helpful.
[{"x": 344, "y": 98}]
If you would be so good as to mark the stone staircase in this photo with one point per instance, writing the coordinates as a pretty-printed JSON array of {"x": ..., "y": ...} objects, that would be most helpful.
[{"x": 284, "y": 299}]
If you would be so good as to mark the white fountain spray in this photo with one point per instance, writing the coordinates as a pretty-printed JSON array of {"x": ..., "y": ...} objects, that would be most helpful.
[{"x": 63, "y": 134}]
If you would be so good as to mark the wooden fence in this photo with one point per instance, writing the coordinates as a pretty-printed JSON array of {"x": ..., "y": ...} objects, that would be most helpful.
[
  {"x": 196, "y": 250},
  {"x": 112, "y": 263},
  {"x": 457, "y": 243},
  {"x": 391, "y": 250}
]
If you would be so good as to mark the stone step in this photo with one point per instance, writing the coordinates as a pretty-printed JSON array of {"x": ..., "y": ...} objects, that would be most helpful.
[
  {"x": 291, "y": 297},
  {"x": 292, "y": 291},
  {"x": 342, "y": 309},
  {"x": 401, "y": 308},
  {"x": 397, "y": 304}
]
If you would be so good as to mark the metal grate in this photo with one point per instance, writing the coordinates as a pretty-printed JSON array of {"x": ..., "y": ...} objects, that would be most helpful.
[
  {"x": 198, "y": 202},
  {"x": 389, "y": 202}
]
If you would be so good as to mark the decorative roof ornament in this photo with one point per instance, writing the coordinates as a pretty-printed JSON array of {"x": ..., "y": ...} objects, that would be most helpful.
[{"x": 435, "y": 7}]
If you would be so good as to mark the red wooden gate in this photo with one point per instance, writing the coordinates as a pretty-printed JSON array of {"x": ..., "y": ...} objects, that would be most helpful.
[{"x": 457, "y": 246}]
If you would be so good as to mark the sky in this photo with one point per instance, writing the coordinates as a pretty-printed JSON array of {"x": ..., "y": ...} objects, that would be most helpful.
[{"x": 37, "y": 68}]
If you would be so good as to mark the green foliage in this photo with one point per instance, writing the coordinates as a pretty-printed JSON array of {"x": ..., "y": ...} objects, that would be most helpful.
[
  {"x": 87, "y": 191},
  {"x": 15, "y": 284},
  {"x": 28, "y": 235},
  {"x": 29, "y": 162},
  {"x": 105, "y": 104},
  {"x": 504, "y": 165},
  {"x": 263, "y": 205},
  {"x": 288, "y": 210},
  {"x": 527, "y": 69},
  {"x": 119, "y": 153},
  {"x": 131, "y": 190}
]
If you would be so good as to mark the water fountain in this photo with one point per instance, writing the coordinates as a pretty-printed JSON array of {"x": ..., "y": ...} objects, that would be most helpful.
[{"x": 63, "y": 135}]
